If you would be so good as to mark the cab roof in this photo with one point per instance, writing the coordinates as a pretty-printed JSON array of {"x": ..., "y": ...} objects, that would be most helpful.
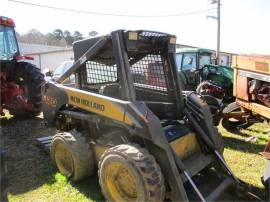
[{"x": 136, "y": 43}]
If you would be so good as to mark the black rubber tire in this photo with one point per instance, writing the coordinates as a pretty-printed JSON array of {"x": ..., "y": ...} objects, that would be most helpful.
[
  {"x": 147, "y": 173},
  {"x": 215, "y": 108},
  {"x": 229, "y": 125},
  {"x": 81, "y": 159},
  {"x": 33, "y": 79}
]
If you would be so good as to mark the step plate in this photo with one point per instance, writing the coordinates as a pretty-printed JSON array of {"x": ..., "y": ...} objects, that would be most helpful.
[{"x": 44, "y": 143}]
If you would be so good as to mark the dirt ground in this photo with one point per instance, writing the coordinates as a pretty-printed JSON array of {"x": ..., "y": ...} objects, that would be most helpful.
[
  {"x": 29, "y": 166},
  {"x": 32, "y": 176},
  {"x": 25, "y": 159}
]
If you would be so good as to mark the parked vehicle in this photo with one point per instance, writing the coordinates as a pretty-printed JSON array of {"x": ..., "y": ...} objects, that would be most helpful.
[
  {"x": 60, "y": 70},
  {"x": 252, "y": 92},
  {"x": 145, "y": 139},
  {"x": 21, "y": 81},
  {"x": 199, "y": 73}
]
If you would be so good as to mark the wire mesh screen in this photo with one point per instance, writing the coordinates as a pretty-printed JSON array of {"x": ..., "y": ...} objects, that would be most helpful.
[
  {"x": 100, "y": 73},
  {"x": 149, "y": 73}
]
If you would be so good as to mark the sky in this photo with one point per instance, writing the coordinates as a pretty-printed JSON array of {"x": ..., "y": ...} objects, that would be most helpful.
[{"x": 245, "y": 24}]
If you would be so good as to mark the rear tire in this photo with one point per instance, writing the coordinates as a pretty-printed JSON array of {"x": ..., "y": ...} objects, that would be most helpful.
[
  {"x": 33, "y": 80},
  {"x": 231, "y": 123},
  {"x": 130, "y": 173},
  {"x": 72, "y": 156}
]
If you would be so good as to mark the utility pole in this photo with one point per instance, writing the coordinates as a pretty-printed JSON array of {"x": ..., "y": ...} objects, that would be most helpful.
[{"x": 218, "y": 28}]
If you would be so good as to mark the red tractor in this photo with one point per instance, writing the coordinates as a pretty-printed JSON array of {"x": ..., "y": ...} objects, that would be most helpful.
[{"x": 21, "y": 81}]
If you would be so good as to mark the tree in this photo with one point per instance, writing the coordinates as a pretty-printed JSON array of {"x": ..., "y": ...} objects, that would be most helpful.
[
  {"x": 51, "y": 40},
  {"x": 32, "y": 36},
  {"x": 69, "y": 39},
  {"x": 77, "y": 36},
  {"x": 92, "y": 34},
  {"x": 58, "y": 33}
]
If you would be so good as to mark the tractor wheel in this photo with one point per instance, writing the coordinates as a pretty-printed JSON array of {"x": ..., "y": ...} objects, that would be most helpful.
[
  {"x": 232, "y": 123},
  {"x": 29, "y": 77},
  {"x": 130, "y": 173},
  {"x": 215, "y": 108},
  {"x": 72, "y": 155}
]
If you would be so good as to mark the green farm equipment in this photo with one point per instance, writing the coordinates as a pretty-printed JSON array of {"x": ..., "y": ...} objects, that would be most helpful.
[{"x": 199, "y": 73}]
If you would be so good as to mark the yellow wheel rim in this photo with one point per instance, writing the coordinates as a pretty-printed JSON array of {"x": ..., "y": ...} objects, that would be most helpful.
[
  {"x": 121, "y": 182},
  {"x": 64, "y": 160}
]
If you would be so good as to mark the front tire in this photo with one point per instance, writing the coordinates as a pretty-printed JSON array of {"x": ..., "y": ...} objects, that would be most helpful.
[
  {"x": 71, "y": 154},
  {"x": 130, "y": 173}
]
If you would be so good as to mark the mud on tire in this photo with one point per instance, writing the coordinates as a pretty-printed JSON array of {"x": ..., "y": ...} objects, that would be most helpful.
[
  {"x": 71, "y": 154},
  {"x": 143, "y": 180}
]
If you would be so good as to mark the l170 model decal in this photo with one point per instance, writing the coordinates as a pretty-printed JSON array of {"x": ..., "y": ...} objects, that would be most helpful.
[{"x": 87, "y": 103}]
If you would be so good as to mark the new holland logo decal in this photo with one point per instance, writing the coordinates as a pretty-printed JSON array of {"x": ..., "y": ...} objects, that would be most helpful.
[{"x": 87, "y": 103}]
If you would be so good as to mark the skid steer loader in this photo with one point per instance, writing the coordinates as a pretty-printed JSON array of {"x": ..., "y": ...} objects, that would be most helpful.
[{"x": 147, "y": 142}]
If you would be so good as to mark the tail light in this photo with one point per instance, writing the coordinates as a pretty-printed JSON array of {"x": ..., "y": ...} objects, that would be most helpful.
[{"x": 24, "y": 57}]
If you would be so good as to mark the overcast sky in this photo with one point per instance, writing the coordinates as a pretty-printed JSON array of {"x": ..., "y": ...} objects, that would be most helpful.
[{"x": 245, "y": 24}]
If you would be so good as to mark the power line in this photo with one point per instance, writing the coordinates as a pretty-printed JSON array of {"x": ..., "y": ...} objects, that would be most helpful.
[{"x": 111, "y": 14}]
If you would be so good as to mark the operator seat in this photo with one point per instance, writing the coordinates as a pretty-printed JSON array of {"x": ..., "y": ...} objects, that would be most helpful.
[{"x": 111, "y": 90}]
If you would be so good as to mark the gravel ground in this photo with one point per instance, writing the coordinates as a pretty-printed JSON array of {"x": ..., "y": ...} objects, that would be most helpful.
[{"x": 26, "y": 167}]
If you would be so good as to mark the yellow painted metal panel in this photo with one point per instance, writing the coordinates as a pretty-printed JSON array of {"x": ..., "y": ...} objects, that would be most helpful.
[
  {"x": 185, "y": 145},
  {"x": 96, "y": 104}
]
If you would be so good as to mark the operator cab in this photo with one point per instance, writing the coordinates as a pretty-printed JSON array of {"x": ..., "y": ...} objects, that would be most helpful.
[
  {"x": 8, "y": 43},
  {"x": 189, "y": 62},
  {"x": 151, "y": 79}
]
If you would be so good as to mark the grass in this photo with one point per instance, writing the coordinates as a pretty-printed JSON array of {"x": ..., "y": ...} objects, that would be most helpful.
[
  {"x": 62, "y": 190},
  {"x": 243, "y": 157},
  {"x": 33, "y": 177}
]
